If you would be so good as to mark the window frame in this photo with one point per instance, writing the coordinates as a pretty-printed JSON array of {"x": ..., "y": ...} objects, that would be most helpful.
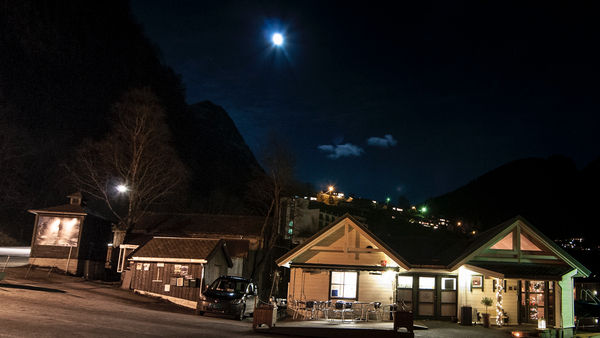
[
  {"x": 477, "y": 287},
  {"x": 344, "y": 272}
]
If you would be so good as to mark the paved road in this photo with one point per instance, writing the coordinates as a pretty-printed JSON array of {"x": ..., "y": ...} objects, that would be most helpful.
[
  {"x": 59, "y": 306},
  {"x": 62, "y": 306}
]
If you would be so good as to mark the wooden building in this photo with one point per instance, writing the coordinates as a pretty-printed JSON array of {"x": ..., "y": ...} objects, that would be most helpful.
[
  {"x": 176, "y": 268},
  {"x": 70, "y": 237},
  {"x": 241, "y": 234},
  {"x": 528, "y": 276}
]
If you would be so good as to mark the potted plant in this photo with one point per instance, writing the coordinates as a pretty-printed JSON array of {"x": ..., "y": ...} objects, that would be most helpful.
[{"x": 486, "y": 301}]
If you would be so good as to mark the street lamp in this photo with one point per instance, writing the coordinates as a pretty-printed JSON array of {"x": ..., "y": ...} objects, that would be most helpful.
[{"x": 122, "y": 188}]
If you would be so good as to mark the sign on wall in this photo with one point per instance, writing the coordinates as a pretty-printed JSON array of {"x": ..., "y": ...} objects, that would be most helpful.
[{"x": 57, "y": 231}]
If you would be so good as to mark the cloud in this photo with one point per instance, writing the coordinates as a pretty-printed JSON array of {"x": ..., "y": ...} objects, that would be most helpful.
[
  {"x": 340, "y": 150},
  {"x": 384, "y": 142}
]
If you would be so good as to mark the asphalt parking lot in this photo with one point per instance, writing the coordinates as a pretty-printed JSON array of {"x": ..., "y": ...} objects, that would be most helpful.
[{"x": 59, "y": 306}]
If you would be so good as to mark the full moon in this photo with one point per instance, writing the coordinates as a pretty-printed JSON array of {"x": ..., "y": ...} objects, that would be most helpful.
[{"x": 277, "y": 39}]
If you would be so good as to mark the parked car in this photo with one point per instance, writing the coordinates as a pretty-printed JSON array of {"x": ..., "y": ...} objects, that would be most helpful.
[{"x": 228, "y": 295}]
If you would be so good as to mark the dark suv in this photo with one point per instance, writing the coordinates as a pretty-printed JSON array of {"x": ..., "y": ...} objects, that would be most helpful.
[{"x": 228, "y": 295}]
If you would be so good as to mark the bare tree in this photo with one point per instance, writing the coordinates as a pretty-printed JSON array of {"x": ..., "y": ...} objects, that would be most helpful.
[
  {"x": 267, "y": 191},
  {"x": 135, "y": 156}
]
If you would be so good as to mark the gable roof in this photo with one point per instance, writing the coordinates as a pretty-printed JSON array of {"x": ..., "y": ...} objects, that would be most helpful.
[
  {"x": 74, "y": 209},
  {"x": 488, "y": 238},
  {"x": 428, "y": 248},
  {"x": 177, "y": 248},
  {"x": 197, "y": 225},
  {"x": 330, "y": 228}
]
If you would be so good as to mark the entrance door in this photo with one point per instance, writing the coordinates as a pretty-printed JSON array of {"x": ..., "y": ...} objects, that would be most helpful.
[
  {"x": 536, "y": 301},
  {"x": 426, "y": 297},
  {"x": 448, "y": 297}
]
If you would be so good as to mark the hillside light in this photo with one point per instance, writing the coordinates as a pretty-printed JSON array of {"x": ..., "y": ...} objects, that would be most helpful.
[
  {"x": 423, "y": 209},
  {"x": 122, "y": 188},
  {"x": 277, "y": 39}
]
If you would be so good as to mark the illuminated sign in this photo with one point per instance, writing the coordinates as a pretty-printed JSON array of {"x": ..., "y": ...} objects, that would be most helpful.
[{"x": 57, "y": 231}]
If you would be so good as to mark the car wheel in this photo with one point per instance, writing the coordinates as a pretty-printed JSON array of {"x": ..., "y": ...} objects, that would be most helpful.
[{"x": 241, "y": 315}]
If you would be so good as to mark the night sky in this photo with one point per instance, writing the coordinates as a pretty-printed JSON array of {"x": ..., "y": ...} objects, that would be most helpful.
[{"x": 415, "y": 100}]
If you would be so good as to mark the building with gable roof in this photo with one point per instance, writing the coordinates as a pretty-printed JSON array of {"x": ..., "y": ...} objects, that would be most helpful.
[
  {"x": 71, "y": 237},
  {"x": 176, "y": 268},
  {"x": 528, "y": 276}
]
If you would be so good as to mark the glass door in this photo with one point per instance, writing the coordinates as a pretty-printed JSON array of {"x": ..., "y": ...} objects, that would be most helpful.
[
  {"x": 536, "y": 301},
  {"x": 426, "y": 296},
  {"x": 448, "y": 297},
  {"x": 404, "y": 291}
]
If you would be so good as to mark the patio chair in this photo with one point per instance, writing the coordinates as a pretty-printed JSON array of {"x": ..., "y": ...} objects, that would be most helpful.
[
  {"x": 309, "y": 309},
  {"x": 342, "y": 308},
  {"x": 375, "y": 308},
  {"x": 298, "y": 308},
  {"x": 389, "y": 310},
  {"x": 324, "y": 308}
]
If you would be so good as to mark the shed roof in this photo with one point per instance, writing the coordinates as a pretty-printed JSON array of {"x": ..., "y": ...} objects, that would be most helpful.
[{"x": 173, "y": 247}]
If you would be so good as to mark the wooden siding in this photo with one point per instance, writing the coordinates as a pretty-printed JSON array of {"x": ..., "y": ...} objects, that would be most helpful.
[
  {"x": 376, "y": 287},
  {"x": 238, "y": 267},
  {"x": 154, "y": 281},
  {"x": 510, "y": 298},
  {"x": 216, "y": 267},
  {"x": 307, "y": 284}
]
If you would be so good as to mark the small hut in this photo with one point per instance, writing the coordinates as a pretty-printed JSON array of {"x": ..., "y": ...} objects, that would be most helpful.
[
  {"x": 177, "y": 268},
  {"x": 70, "y": 237}
]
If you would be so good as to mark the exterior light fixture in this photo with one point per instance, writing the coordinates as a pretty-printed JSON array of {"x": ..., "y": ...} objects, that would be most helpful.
[
  {"x": 122, "y": 188},
  {"x": 330, "y": 188}
]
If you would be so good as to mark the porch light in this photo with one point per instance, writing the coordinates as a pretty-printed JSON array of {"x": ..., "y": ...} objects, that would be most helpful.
[
  {"x": 389, "y": 275},
  {"x": 541, "y": 324}
]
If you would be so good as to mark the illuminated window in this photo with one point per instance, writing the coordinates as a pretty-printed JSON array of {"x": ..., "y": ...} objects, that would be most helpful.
[
  {"x": 343, "y": 284},
  {"x": 505, "y": 243},
  {"x": 405, "y": 282},
  {"x": 426, "y": 283},
  {"x": 449, "y": 283}
]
